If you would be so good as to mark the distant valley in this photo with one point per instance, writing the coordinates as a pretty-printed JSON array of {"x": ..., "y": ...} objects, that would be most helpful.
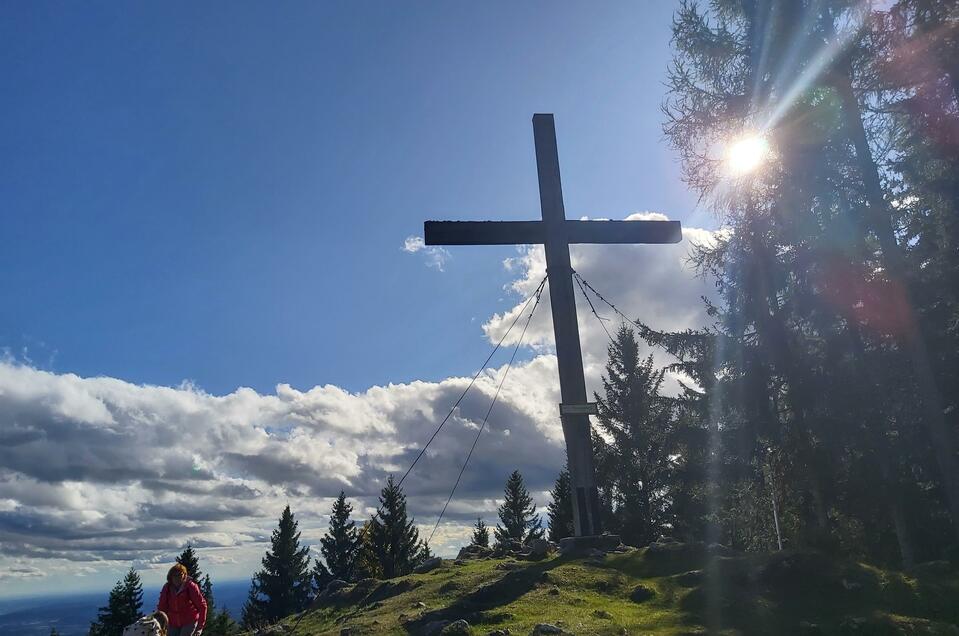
[{"x": 71, "y": 614}]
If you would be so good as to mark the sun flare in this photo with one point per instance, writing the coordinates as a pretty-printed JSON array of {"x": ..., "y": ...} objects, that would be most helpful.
[{"x": 746, "y": 154}]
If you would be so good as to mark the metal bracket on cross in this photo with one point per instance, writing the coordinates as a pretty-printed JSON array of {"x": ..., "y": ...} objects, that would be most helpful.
[{"x": 589, "y": 408}]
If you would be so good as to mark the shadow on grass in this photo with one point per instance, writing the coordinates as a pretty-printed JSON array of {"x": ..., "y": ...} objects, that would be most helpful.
[
  {"x": 796, "y": 592},
  {"x": 478, "y": 606}
]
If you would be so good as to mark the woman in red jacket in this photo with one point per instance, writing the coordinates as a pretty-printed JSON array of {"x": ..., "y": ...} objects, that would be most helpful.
[{"x": 183, "y": 603}]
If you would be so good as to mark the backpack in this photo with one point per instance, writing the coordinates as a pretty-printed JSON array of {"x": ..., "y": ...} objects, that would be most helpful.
[{"x": 146, "y": 626}]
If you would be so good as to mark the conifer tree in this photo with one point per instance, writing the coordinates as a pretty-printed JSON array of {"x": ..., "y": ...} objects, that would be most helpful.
[
  {"x": 283, "y": 586},
  {"x": 366, "y": 566},
  {"x": 517, "y": 514},
  {"x": 393, "y": 540},
  {"x": 855, "y": 206},
  {"x": 219, "y": 624},
  {"x": 340, "y": 544},
  {"x": 252, "y": 615},
  {"x": 123, "y": 607},
  {"x": 636, "y": 464},
  {"x": 559, "y": 512},
  {"x": 480, "y": 534},
  {"x": 320, "y": 575},
  {"x": 189, "y": 559},
  {"x": 206, "y": 588}
]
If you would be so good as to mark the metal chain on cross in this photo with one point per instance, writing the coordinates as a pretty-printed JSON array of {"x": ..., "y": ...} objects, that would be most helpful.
[
  {"x": 583, "y": 283},
  {"x": 602, "y": 321}
]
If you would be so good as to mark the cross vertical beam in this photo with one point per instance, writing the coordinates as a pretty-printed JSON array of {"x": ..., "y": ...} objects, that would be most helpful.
[{"x": 569, "y": 356}]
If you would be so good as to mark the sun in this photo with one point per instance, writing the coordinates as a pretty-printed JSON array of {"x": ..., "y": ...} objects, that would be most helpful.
[{"x": 746, "y": 154}]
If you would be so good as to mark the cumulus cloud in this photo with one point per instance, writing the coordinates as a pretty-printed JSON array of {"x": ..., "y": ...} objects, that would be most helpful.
[
  {"x": 436, "y": 256},
  {"x": 99, "y": 469},
  {"x": 96, "y": 473},
  {"x": 16, "y": 572},
  {"x": 655, "y": 284}
]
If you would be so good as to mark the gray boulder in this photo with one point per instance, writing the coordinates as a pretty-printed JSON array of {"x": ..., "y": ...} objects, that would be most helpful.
[
  {"x": 457, "y": 628},
  {"x": 473, "y": 552},
  {"x": 545, "y": 628},
  {"x": 428, "y": 565},
  {"x": 539, "y": 547}
]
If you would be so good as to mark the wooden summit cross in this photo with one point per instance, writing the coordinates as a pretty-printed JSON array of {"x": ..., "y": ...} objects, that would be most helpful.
[{"x": 556, "y": 234}]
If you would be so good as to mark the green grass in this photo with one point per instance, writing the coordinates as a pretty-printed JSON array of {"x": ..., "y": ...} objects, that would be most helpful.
[{"x": 695, "y": 592}]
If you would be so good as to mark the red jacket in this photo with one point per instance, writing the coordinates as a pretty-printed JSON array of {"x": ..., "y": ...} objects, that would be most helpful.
[{"x": 184, "y": 607}]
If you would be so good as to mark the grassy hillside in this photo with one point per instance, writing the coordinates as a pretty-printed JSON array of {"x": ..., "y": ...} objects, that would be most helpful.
[{"x": 663, "y": 589}]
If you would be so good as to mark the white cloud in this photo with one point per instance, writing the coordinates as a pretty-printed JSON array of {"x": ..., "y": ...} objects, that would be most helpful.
[
  {"x": 655, "y": 284},
  {"x": 15, "y": 572},
  {"x": 436, "y": 256}
]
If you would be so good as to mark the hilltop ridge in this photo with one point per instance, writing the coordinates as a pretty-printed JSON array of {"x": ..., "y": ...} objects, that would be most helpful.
[{"x": 665, "y": 588}]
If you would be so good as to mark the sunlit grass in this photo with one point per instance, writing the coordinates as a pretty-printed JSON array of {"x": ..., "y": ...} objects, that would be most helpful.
[{"x": 757, "y": 594}]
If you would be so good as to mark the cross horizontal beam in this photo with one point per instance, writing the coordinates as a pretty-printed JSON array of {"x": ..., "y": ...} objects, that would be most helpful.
[{"x": 534, "y": 232}]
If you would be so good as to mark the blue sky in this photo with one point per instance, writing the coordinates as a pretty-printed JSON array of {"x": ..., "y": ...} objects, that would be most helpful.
[
  {"x": 220, "y": 192},
  {"x": 200, "y": 197}
]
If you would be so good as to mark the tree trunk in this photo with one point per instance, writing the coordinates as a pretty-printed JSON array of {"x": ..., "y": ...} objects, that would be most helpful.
[
  {"x": 900, "y": 519},
  {"x": 893, "y": 262}
]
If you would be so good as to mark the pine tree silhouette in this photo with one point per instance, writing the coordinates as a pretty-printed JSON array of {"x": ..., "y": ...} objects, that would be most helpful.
[
  {"x": 189, "y": 559},
  {"x": 480, "y": 534},
  {"x": 122, "y": 608},
  {"x": 283, "y": 586},
  {"x": 559, "y": 512},
  {"x": 341, "y": 542},
  {"x": 393, "y": 541},
  {"x": 518, "y": 514}
]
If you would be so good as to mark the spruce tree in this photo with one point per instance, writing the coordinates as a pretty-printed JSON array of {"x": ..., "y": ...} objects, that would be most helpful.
[
  {"x": 320, "y": 575},
  {"x": 559, "y": 512},
  {"x": 517, "y": 514},
  {"x": 283, "y": 586},
  {"x": 813, "y": 368},
  {"x": 252, "y": 615},
  {"x": 636, "y": 463},
  {"x": 425, "y": 552},
  {"x": 206, "y": 588},
  {"x": 366, "y": 566},
  {"x": 480, "y": 534},
  {"x": 189, "y": 559},
  {"x": 219, "y": 624},
  {"x": 122, "y": 608},
  {"x": 393, "y": 540},
  {"x": 340, "y": 544}
]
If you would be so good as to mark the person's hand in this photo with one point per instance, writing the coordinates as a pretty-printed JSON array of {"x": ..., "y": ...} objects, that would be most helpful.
[{"x": 198, "y": 632}]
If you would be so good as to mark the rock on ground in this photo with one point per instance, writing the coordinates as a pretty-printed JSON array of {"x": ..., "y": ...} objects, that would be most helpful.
[
  {"x": 428, "y": 565},
  {"x": 457, "y": 628},
  {"x": 539, "y": 547},
  {"x": 545, "y": 628}
]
